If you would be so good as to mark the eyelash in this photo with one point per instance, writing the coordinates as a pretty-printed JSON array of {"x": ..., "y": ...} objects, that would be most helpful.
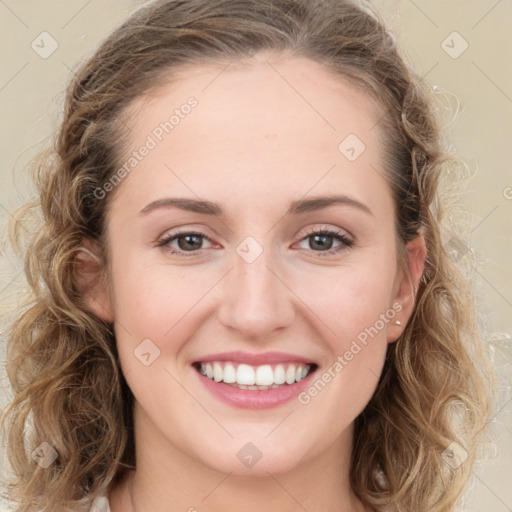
[{"x": 346, "y": 243}]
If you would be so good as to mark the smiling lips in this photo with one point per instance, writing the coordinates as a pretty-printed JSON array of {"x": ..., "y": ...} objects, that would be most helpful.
[{"x": 254, "y": 381}]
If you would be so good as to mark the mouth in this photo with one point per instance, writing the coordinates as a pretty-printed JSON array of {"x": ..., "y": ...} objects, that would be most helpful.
[
  {"x": 261, "y": 377},
  {"x": 254, "y": 381}
]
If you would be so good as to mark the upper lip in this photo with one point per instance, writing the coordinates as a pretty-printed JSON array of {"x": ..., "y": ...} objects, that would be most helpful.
[{"x": 255, "y": 359}]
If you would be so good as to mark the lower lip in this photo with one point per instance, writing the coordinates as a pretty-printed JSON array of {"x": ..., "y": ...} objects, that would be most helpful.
[{"x": 254, "y": 398}]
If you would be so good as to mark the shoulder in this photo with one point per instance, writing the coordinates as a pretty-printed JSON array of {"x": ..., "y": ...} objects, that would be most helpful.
[{"x": 100, "y": 504}]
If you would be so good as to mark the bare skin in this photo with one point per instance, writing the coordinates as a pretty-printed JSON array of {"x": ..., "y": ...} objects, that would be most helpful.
[{"x": 253, "y": 144}]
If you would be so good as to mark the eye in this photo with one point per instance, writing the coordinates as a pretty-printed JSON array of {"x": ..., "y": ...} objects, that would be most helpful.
[
  {"x": 186, "y": 241},
  {"x": 322, "y": 241}
]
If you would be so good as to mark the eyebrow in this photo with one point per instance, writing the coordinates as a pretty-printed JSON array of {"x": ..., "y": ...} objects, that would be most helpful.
[{"x": 295, "y": 208}]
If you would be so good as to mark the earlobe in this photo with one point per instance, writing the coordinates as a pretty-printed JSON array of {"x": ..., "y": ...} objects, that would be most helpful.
[
  {"x": 406, "y": 286},
  {"x": 90, "y": 275}
]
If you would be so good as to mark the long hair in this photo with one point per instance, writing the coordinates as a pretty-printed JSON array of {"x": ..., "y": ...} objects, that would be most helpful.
[{"x": 415, "y": 442}]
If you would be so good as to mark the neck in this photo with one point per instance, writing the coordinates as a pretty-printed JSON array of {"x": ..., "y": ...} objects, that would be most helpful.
[{"x": 169, "y": 479}]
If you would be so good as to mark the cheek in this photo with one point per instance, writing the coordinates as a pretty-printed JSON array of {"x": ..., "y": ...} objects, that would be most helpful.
[
  {"x": 353, "y": 312},
  {"x": 350, "y": 299},
  {"x": 151, "y": 299},
  {"x": 158, "y": 300}
]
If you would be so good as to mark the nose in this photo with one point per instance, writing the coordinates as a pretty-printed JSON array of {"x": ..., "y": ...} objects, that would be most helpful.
[{"x": 256, "y": 301}]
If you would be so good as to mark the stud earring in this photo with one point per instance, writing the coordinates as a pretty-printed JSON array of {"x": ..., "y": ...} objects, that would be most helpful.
[{"x": 398, "y": 322}]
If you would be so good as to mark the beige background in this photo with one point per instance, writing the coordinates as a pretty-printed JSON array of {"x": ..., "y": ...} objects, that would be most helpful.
[{"x": 31, "y": 91}]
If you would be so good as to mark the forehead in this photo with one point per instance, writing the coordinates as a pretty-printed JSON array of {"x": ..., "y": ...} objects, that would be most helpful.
[
  {"x": 302, "y": 88},
  {"x": 266, "y": 120}
]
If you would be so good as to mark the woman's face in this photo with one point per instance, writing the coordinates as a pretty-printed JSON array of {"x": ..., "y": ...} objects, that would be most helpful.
[{"x": 246, "y": 286}]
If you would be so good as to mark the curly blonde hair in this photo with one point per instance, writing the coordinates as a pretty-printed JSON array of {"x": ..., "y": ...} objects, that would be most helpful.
[{"x": 433, "y": 397}]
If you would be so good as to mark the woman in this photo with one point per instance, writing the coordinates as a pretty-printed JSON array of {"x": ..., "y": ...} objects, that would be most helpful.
[{"x": 240, "y": 293}]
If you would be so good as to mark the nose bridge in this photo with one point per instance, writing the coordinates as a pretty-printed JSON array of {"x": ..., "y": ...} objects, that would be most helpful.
[{"x": 255, "y": 301}]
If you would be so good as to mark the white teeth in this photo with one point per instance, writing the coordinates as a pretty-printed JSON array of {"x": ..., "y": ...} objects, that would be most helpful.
[
  {"x": 217, "y": 372},
  {"x": 290, "y": 374},
  {"x": 229, "y": 374},
  {"x": 279, "y": 374},
  {"x": 264, "y": 375},
  {"x": 255, "y": 377},
  {"x": 245, "y": 375}
]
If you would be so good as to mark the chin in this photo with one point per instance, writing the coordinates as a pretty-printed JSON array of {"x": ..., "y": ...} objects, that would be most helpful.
[
  {"x": 258, "y": 469},
  {"x": 248, "y": 459}
]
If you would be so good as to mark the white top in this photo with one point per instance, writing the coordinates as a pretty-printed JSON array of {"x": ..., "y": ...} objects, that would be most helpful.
[{"x": 100, "y": 504}]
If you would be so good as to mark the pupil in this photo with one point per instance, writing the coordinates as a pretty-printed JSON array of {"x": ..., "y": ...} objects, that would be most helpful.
[
  {"x": 322, "y": 245},
  {"x": 188, "y": 239}
]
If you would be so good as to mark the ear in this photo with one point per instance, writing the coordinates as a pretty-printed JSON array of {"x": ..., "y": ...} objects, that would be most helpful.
[
  {"x": 91, "y": 277},
  {"x": 406, "y": 285}
]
